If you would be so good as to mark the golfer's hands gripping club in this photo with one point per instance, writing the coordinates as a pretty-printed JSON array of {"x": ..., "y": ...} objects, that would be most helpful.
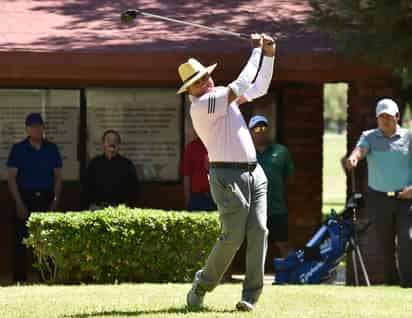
[
  {"x": 269, "y": 46},
  {"x": 264, "y": 41},
  {"x": 256, "y": 40}
]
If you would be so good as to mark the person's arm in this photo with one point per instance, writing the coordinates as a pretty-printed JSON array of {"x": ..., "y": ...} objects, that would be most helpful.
[
  {"x": 249, "y": 72},
  {"x": 187, "y": 185},
  {"x": 22, "y": 211},
  {"x": 357, "y": 155},
  {"x": 264, "y": 77},
  {"x": 89, "y": 189},
  {"x": 133, "y": 189},
  {"x": 360, "y": 152},
  {"x": 215, "y": 104},
  {"x": 58, "y": 185},
  {"x": 289, "y": 168},
  {"x": 57, "y": 178}
]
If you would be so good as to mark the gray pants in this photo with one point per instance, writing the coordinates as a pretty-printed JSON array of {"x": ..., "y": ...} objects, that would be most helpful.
[
  {"x": 392, "y": 218},
  {"x": 240, "y": 196}
]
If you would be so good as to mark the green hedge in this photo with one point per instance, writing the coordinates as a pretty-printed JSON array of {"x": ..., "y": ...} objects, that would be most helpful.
[{"x": 121, "y": 244}]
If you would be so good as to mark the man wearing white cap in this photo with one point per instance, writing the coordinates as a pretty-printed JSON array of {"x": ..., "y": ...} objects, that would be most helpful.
[
  {"x": 388, "y": 150},
  {"x": 238, "y": 184}
]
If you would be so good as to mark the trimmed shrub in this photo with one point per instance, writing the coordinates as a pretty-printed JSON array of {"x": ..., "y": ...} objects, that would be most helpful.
[{"x": 121, "y": 244}]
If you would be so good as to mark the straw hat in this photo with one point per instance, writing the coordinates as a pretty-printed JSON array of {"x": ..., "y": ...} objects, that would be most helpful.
[{"x": 191, "y": 71}]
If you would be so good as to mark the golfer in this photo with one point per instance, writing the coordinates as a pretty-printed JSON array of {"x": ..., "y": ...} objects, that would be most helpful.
[{"x": 238, "y": 184}]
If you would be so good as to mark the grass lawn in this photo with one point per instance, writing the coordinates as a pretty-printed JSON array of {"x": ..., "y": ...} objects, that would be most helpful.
[
  {"x": 334, "y": 179},
  {"x": 153, "y": 300}
]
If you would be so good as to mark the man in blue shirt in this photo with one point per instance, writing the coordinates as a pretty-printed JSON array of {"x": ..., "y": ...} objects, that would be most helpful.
[
  {"x": 388, "y": 150},
  {"x": 35, "y": 182}
]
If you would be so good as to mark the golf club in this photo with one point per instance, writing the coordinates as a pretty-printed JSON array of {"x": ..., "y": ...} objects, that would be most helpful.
[{"x": 130, "y": 15}]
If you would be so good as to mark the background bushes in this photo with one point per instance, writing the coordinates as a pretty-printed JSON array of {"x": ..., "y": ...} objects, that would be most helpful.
[{"x": 121, "y": 244}]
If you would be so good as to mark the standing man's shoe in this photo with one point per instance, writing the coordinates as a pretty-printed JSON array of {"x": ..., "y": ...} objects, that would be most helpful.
[{"x": 244, "y": 305}]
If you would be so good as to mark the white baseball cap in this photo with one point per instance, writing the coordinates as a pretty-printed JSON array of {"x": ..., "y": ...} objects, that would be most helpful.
[
  {"x": 256, "y": 120},
  {"x": 386, "y": 106}
]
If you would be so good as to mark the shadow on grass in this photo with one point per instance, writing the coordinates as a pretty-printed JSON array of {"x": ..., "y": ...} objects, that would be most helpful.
[{"x": 165, "y": 311}]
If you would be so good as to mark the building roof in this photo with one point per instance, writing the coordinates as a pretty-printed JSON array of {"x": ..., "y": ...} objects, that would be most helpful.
[{"x": 94, "y": 25}]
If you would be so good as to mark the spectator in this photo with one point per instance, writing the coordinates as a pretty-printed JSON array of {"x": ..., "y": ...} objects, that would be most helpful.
[
  {"x": 35, "y": 182},
  {"x": 196, "y": 182},
  {"x": 277, "y": 163},
  {"x": 388, "y": 150},
  {"x": 111, "y": 179}
]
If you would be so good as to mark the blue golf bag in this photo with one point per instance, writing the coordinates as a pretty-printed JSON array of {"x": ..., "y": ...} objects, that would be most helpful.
[{"x": 317, "y": 261}]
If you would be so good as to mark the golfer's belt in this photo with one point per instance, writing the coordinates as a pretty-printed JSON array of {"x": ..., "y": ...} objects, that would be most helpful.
[{"x": 237, "y": 165}]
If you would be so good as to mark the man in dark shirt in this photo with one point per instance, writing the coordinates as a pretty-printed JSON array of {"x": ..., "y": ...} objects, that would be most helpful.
[
  {"x": 111, "y": 179},
  {"x": 35, "y": 182}
]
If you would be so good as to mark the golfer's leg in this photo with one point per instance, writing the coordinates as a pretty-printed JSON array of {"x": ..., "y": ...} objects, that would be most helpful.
[
  {"x": 404, "y": 231},
  {"x": 228, "y": 190},
  {"x": 256, "y": 233},
  {"x": 381, "y": 212}
]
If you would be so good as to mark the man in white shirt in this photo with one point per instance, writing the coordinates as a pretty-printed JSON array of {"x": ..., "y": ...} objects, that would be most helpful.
[{"x": 238, "y": 184}]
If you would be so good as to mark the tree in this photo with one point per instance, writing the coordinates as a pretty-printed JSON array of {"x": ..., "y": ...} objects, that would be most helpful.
[
  {"x": 336, "y": 104},
  {"x": 377, "y": 30}
]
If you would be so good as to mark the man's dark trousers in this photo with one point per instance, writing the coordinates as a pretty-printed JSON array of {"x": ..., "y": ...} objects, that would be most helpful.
[
  {"x": 392, "y": 218},
  {"x": 34, "y": 201}
]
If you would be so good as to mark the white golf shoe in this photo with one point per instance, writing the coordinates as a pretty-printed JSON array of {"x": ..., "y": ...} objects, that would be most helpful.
[{"x": 244, "y": 305}]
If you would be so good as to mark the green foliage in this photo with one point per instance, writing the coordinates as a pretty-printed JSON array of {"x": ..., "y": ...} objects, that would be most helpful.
[
  {"x": 335, "y": 99},
  {"x": 121, "y": 244},
  {"x": 377, "y": 30}
]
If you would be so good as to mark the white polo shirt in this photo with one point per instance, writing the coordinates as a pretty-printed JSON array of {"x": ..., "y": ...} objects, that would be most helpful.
[{"x": 222, "y": 128}]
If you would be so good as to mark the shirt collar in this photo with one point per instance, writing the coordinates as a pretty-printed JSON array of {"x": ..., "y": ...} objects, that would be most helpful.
[
  {"x": 29, "y": 145},
  {"x": 398, "y": 132}
]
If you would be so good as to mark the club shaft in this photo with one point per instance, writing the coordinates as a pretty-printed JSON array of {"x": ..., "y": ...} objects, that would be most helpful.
[{"x": 216, "y": 30}]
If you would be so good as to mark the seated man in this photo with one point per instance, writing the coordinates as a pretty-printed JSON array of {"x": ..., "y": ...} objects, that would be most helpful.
[{"x": 111, "y": 179}]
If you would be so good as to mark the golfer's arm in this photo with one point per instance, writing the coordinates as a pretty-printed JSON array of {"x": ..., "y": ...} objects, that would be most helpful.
[
  {"x": 248, "y": 74},
  {"x": 260, "y": 86},
  {"x": 12, "y": 184}
]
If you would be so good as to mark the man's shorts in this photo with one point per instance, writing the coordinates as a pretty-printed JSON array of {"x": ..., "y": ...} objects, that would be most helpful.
[{"x": 278, "y": 227}]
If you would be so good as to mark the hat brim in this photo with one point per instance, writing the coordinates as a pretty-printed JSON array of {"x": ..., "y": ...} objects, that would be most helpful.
[
  {"x": 186, "y": 85},
  {"x": 386, "y": 112}
]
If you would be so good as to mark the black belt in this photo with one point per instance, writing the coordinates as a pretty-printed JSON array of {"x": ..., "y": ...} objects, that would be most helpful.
[
  {"x": 250, "y": 166},
  {"x": 390, "y": 194}
]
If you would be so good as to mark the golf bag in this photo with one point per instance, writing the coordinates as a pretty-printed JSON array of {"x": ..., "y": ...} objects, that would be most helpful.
[{"x": 317, "y": 261}]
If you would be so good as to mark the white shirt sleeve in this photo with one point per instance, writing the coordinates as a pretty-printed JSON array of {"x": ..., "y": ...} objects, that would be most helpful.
[
  {"x": 213, "y": 105},
  {"x": 242, "y": 83},
  {"x": 263, "y": 80}
]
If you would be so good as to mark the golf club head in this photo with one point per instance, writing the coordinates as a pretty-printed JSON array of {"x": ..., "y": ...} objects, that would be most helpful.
[{"x": 128, "y": 16}]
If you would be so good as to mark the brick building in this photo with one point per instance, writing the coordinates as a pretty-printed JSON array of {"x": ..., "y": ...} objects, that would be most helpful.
[{"x": 52, "y": 49}]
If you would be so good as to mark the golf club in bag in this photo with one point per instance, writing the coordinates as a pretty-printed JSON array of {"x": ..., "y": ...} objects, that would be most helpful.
[{"x": 317, "y": 262}]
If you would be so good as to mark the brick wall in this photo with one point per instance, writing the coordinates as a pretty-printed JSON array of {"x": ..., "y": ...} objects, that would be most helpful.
[{"x": 302, "y": 132}]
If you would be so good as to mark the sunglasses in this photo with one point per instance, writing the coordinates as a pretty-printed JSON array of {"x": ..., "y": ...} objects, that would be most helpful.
[{"x": 260, "y": 129}]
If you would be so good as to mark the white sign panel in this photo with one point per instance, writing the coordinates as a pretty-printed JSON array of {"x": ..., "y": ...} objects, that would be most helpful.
[
  {"x": 149, "y": 122},
  {"x": 60, "y": 111}
]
